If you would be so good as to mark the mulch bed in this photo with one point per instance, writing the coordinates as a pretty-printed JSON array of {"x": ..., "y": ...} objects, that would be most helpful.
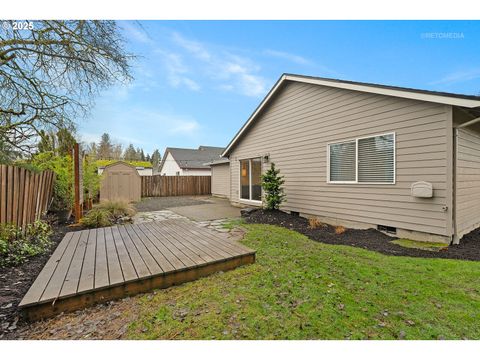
[
  {"x": 370, "y": 239},
  {"x": 15, "y": 282}
]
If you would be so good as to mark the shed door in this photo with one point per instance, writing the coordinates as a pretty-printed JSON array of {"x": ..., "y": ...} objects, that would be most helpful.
[{"x": 120, "y": 186}]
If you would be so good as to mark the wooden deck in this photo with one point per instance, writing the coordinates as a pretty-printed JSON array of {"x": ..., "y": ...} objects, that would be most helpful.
[{"x": 97, "y": 265}]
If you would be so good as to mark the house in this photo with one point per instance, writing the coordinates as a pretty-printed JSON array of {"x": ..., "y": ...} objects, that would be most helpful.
[
  {"x": 402, "y": 160},
  {"x": 182, "y": 162}
]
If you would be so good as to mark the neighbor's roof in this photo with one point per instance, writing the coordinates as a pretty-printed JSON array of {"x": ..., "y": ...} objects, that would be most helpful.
[
  {"x": 193, "y": 158},
  {"x": 467, "y": 101}
]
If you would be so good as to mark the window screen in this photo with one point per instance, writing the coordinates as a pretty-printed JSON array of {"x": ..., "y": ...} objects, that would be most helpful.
[
  {"x": 342, "y": 161},
  {"x": 376, "y": 159}
]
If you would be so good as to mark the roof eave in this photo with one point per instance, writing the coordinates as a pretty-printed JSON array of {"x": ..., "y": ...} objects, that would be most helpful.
[{"x": 468, "y": 103}]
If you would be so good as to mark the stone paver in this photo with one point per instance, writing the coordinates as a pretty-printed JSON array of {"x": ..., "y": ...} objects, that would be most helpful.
[{"x": 161, "y": 215}]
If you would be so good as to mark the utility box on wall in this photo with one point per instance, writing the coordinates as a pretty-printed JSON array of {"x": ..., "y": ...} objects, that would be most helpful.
[{"x": 422, "y": 189}]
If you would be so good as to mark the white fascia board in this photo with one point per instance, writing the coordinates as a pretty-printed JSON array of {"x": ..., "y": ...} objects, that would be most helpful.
[{"x": 468, "y": 103}]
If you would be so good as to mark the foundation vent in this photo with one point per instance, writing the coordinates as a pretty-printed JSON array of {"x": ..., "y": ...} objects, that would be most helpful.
[{"x": 387, "y": 229}]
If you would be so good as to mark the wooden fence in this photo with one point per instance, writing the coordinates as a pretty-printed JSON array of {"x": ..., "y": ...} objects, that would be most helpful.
[
  {"x": 24, "y": 195},
  {"x": 158, "y": 185}
]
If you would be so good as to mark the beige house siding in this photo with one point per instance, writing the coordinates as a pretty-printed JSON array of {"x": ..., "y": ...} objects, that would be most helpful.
[
  {"x": 221, "y": 180},
  {"x": 468, "y": 182},
  {"x": 303, "y": 118}
]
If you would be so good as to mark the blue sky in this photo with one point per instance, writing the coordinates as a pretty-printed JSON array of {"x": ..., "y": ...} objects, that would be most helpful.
[{"x": 196, "y": 82}]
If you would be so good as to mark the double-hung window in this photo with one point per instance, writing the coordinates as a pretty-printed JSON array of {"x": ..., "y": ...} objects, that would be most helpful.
[
  {"x": 368, "y": 160},
  {"x": 250, "y": 179}
]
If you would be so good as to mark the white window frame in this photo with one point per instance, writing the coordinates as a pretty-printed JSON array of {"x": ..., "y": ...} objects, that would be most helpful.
[
  {"x": 356, "y": 160},
  {"x": 242, "y": 200}
]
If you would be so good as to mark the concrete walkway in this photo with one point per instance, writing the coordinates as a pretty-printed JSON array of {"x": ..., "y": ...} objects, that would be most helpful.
[{"x": 217, "y": 208}]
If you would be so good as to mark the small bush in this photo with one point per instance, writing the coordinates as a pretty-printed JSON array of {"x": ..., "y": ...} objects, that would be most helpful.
[
  {"x": 97, "y": 217},
  {"x": 118, "y": 208},
  {"x": 16, "y": 246},
  {"x": 315, "y": 223},
  {"x": 107, "y": 214},
  {"x": 339, "y": 230}
]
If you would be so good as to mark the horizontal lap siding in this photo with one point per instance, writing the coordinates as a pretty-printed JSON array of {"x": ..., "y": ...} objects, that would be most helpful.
[
  {"x": 296, "y": 127},
  {"x": 221, "y": 180},
  {"x": 468, "y": 182}
]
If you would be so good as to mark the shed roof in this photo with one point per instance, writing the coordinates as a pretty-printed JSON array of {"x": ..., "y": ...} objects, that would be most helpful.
[{"x": 466, "y": 101}]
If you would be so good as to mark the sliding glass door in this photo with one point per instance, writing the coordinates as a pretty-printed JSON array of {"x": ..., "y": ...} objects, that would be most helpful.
[{"x": 250, "y": 179}]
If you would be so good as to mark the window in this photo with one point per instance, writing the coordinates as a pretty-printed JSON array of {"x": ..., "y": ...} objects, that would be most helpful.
[
  {"x": 363, "y": 160},
  {"x": 250, "y": 179},
  {"x": 342, "y": 162}
]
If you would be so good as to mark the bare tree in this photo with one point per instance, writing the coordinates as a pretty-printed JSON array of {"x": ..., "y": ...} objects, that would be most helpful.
[{"x": 49, "y": 75}]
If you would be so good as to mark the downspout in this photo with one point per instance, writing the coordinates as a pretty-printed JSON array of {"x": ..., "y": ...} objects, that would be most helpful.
[{"x": 455, "y": 239}]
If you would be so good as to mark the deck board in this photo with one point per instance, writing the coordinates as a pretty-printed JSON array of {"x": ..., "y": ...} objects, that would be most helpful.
[
  {"x": 70, "y": 284},
  {"x": 137, "y": 261},
  {"x": 87, "y": 276},
  {"x": 162, "y": 238},
  {"x": 146, "y": 238},
  {"x": 115, "y": 273},
  {"x": 178, "y": 242},
  {"x": 54, "y": 286},
  {"x": 101, "y": 261},
  {"x": 147, "y": 257},
  {"x": 36, "y": 290},
  {"x": 92, "y": 266},
  {"x": 128, "y": 270},
  {"x": 175, "y": 262},
  {"x": 199, "y": 248}
]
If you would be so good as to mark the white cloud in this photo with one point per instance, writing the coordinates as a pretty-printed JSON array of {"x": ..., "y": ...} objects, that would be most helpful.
[
  {"x": 194, "y": 47},
  {"x": 459, "y": 76},
  {"x": 169, "y": 123},
  {"x": 184, "y": 127},
  {"x": 177, "y": 70},
  {"x": 135, "y": 31},
  {"x": 288, "y": 56},
  {"x": 235, "y": 73}
]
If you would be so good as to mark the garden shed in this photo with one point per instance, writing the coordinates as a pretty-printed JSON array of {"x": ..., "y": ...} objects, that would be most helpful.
[{"x": 120, "y": 182}]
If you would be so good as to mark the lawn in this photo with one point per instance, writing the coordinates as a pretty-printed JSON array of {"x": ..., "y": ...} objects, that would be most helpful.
[{"x": 301, "y": 289}]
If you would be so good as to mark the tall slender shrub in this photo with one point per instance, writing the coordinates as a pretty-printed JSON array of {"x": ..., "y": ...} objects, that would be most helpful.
[{"x": 272, "y": 183}]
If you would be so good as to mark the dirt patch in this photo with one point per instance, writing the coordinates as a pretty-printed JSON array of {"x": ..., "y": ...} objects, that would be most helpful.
[
  {"x": 163, "y": 203},
  {"x": 101, "y": 322},
  {"x": 370, "y": 239},
  {"x": 15, "y": 282}
]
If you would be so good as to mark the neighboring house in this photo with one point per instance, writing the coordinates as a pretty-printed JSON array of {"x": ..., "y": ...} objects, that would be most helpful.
[
  {"x": 183, "y": 162},
  {"x": 402, "y": 160},
  {"x": 142, "y": 171}
]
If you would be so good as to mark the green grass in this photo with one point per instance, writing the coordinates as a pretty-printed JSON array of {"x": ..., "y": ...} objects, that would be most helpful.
[
  {"x": 146, "y": 164},
  {"x": 420, "y": 245},
  {"x": 301, "y": 289},
  {"x": 233, "y": 223}
]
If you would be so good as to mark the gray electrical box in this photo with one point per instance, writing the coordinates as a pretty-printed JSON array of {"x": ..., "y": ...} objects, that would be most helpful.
[{"x": 422, "y": 189}]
